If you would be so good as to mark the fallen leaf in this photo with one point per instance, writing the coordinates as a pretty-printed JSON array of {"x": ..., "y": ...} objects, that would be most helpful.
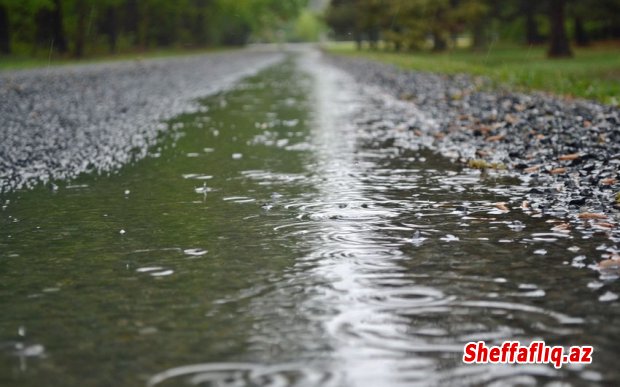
[
  {"x": 511, "y": 119},
  {"x": 572, "y": 156},
  {"x": 525, "y": 205},
  {"x": 604, "y": 225},
  {"x": 592, "y": 215},
  {"x": 484, "y": 129},
  {"x": 612, "y": 263},
  {"x": 497, "y": 137},
  {"x": 557, "y": 171},
  {"x": 608, "y": 181},
  {"x": 587, "y": 124},
  {"x": 502, "y": 206},
  {"x": 562, "y": 227},
  {"x": 532, "y": 169}
]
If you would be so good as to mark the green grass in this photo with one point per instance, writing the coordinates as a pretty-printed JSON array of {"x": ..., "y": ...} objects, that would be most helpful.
[
  {"x": 20, "y": 62},
  {"x": 593, "y": 73}
]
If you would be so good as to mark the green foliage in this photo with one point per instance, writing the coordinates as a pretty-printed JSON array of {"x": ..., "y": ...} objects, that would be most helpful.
[
  {"x": 593, "y": 73},
  {"x": 436, "y": 24},
  {"x": 307, "y": 27},
  {"x": 90, "y": 27}
]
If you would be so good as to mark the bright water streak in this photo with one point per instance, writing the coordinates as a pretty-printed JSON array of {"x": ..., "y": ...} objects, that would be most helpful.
[{"x": 289, "y": 236}]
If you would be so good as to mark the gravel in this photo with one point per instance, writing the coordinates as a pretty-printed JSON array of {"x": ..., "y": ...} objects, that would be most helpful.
[
  {"x": 59, "y": 122},
  {"x": 566, "y": 153}
]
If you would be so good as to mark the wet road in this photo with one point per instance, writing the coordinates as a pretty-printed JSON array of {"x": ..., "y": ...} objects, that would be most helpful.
[
  {"x": 282, "y": 236},
  {"x": 56, "y": 123}
]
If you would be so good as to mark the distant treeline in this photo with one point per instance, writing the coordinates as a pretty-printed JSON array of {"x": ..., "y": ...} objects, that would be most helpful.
[
  {"x": 77, "y": 27},
  {"x": 410, "y": 24}
]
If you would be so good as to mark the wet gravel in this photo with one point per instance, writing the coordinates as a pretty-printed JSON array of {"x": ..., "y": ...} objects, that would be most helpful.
[
  {"x": 565, "y": 153},
  {"x": 59, "y": 122}
]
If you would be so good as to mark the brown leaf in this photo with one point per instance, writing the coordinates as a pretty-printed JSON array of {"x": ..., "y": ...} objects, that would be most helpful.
[
  {"x": 587, "y": 124},
  {"x": 484, "y": 129},
  {"x": 562, "y": 227},
  {"x": 572, "y": 156},
  {"x": 502, "y": 206},
  {"x": 532, "y": 169},
  {"x": 511, "y": 119},
  {"x": 497, "y": 137},
  {"x": 557, "y": 171},
  {"x": 605, "y": 225},
  {"x": 525, "y": 205},
  {"x": 592, "y": 215},
  {"x": 608, "y": 181},
  {"x": 612, "y": 263}
]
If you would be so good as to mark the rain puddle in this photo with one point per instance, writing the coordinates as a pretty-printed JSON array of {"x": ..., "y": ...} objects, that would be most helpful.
[{"x": 283, "y": 237}]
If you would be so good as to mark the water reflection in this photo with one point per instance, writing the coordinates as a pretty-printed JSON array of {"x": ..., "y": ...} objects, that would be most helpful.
[{"x": 291, "y": 234}]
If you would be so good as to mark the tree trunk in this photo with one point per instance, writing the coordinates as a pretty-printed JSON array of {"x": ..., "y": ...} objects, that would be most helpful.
[
  {"x": 143, "y": 27},
  {"x": 559, "y": 45},
  {"x": 581, "y": 37},
  {"x": 358, "y": 40},
  {"x": 373, "y": 37},
  {"x": 5, "y": 37},
  {"x": 58, "y": 32},
  {"x": 80, "y": 30},
  {"x": 532, "y": 36},
  {"x": 111, "y": 28},
  {"x": 199, "y": 31},
  {"x": 479, "y": 39},
  {"x": 130, "y": 18},
  {"x": 439, "y": 43}
]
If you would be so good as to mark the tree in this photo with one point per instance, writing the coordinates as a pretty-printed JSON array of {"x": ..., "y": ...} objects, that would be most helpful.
[
  {"x": 83, "y": 26},
  {"x": 110, "y": 26},
  {"x": 59, "y": 39},
  {"x": 475, "y": 14},
  {"x": 80, "y": 27},
  {"x": 341, "y": 17},
  {"x": 559, "y": 45},
  {"x": 5, "y": 37},
  {"x": 530, "y": 9}
]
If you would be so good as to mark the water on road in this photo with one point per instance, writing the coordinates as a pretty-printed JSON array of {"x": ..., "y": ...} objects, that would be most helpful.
[{"x": 283, "y": 237}]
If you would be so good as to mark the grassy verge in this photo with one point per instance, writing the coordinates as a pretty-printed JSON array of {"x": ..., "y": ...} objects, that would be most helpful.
[
  {"x": 17, "y": 62},
  {"x": 594, "y": 72}
]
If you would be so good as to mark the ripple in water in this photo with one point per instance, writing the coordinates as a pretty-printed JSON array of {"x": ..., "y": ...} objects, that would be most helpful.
[{"x": 245, "y": 374}]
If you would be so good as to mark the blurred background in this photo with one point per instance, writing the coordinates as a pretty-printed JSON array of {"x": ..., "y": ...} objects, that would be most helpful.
[
  {"x": 94, "y": 27},
  {"x": 508, "y": 41}
]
